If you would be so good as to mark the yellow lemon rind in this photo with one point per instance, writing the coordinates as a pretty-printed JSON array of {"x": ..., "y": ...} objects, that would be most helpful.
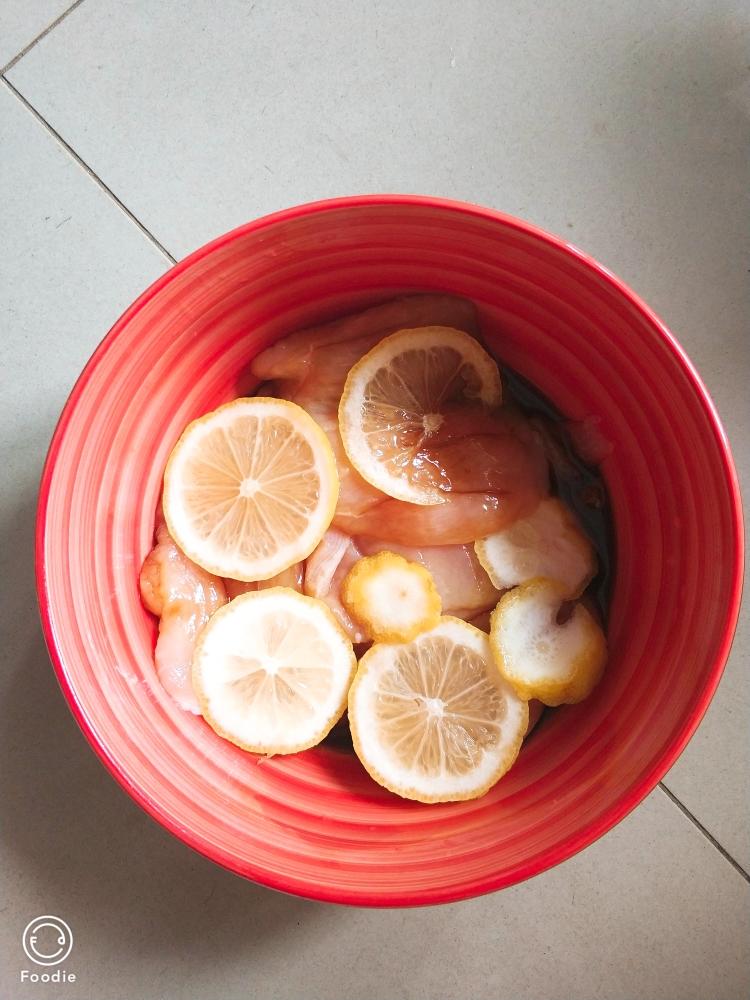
[
  {"x": 361, "y": 603},
  {"x": 582, "y": 673},
  {"x": 352, "y": 397},
  {"x": 244, "y": 570},
  {"x": 204, "y": 702},
  {"x": 412, "y": 793},
  {"x": 567, "y": 529}
]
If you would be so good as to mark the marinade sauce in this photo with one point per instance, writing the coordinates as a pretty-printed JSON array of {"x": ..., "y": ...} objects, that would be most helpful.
[{"x": 579, "y": 485}]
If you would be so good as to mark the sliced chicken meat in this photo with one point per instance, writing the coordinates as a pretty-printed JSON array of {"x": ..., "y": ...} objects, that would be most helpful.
[
  {"x": 491, "y": 466},
  {"x": 464, "y": 587},
  {"x": 291, "y": 577},
  {"x": 325, "y": 570},
  {"x": 184, "y": 597}
]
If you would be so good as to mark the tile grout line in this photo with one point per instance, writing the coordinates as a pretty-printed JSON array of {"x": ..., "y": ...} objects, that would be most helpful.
[
  {"x": 40, "y": 36},
  {"x": 87, "y": 169},
  {"x": 701, "y": 828}
]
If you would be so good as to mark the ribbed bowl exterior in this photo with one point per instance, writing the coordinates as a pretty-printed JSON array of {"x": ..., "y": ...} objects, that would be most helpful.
[{"x": 315, "y": 824}]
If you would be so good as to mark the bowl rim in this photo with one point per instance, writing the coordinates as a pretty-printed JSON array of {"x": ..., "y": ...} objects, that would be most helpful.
[{"x": 570, "y": 845}]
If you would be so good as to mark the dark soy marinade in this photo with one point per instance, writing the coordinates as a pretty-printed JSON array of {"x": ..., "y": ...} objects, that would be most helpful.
[{"x": 579, "y": 485}]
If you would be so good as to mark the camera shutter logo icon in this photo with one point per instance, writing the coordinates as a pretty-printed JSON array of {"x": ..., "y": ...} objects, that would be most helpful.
[{"x": 47, "y": 940}]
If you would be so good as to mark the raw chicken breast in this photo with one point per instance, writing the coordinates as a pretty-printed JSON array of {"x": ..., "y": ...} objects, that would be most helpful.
[
  {"x": 184, "y": 597},
  {"x": 325, "y": 570},
  {"x": 291, "y": 577},
  {"x": 297, "y": 357},
  {"x": 491, "y": 465},
  {"x": 492, "y": 468},
  {"x": 465, "y": 517},
  {"x": 310, "y": 368},
  {"x": 463, "y": 585}
]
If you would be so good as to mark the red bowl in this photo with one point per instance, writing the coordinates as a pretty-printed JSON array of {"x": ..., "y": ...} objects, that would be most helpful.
[{"x": 315, "y": 824}]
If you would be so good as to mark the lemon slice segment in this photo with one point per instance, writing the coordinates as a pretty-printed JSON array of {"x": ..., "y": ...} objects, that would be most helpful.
[
  {"x": 272, "y": 670},
  {"x": 548, "y": 543},
  {"x": 393, "y": 599},
  {"x": 432, "y": 719},
  {"x": 556, "y": 663},
  {"x": 394, "y": 400},
  {"x": 250, "y": 488}
]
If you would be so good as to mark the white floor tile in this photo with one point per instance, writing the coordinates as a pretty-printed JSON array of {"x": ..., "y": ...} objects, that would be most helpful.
[
  {"x": 599, "y": 127},
  {"x": 712, "y": 776},
  {"x": 22, "y": 20},
  {"x": 71, "y": 263},
  {"x": 620, "y": 128},
  {"x": 651, "y": 912},
  {"x": 624, "y": 131}
]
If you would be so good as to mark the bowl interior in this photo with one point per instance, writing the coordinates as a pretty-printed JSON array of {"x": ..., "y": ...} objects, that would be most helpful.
[{"x": 314, "y": 823}]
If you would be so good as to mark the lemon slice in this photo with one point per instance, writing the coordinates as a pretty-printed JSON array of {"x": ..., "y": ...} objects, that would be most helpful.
[
  {"x": 271, "y": 671},
  {"x": 393, "y": 403},
  {"x": 250, "y": 488},
  {"x": 556, "y": 663},
  {"x": 432, "y": 719},
  {"x": 548, "y": 543},
  {"x": 393, "y": 599}
]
